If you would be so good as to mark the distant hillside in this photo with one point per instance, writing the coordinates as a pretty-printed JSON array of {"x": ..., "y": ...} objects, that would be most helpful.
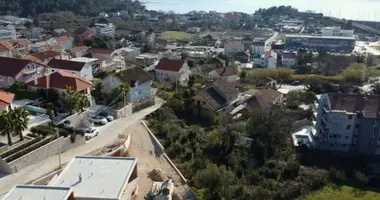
[{"x": 27, "y": 8}]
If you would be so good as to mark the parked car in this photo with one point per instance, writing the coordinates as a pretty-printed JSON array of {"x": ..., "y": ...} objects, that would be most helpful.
[
  {"x": 107, "y": 116},
  {"x": 98, "y": 120},
  {"x": 90, "y": 133},
  {"x": 296, "y": 83}
]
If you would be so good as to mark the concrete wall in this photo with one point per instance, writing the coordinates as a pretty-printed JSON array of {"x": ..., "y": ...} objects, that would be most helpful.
[
  {"x": 43, "y": 152},
  {"x": 124, "y": 112}
]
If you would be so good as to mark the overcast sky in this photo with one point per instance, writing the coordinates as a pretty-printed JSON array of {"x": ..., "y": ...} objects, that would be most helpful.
[{"x": 349, "y": 9}]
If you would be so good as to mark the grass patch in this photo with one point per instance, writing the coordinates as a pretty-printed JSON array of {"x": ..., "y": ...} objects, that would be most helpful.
[
  {"x": 334, "y": 192},
  {"x": 176, "y": 35},
  {"x": 374, "y": 71}
]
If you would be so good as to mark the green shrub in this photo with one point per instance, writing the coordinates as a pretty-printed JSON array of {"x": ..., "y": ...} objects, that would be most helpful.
[
  {"x": 79, "y": 132},
  {"x": 73, "y": 138},
  {"x": 361, "y": 177},
  {"x": 43, "y": 130},
  {"x": 19, "y": 148},
  {"x": 63, "y": 132},
  {"x": 291, "y": 170}
]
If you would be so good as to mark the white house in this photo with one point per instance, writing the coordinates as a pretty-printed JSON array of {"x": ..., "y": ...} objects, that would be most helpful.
[
  {"x": 232, "y": 47},
  {"x": 268, "y": 60},
  {"x": 226, "y": 73},
  {"x": 107, "y": 58},
  {"x": 337, "y": 32},
  {"x": 104, "y": 29},
  {"x": 81, "y": 69},
  {"x": 288, "y": 59},
  {"x": 8, "y": 32},
  {"x": 172, "y": 70}
]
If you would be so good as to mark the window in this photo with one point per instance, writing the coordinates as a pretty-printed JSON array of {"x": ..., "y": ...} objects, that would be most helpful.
[
  {"x": 349, "y": 116},
  {"x": 344, "y": 145},
  {"x": 370, "y": 143},
  {"x": 348, "y": 127},
  {"x": 346, "y": 137},
  {"x": 339, "y": 135},
  {"x": 330, "y": 136},
  {"x": 357, "y": 126},
  {"x": 375, "y": 123},
  {"x": 373, "y": 133}
]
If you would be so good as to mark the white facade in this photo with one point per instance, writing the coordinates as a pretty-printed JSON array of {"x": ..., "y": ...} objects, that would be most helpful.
[
  {"x": 85, "y": 73},
  {"x": 336, "y": 31},
  {"x": 215, "y": 76},
  {"x": 258, "y": 49},
  {"x": 182, "y": 75},
  {"x": 288, "y": 62},
  {"x": 232, "y": 47},
  {"x": 8, "y": 33},
  {"x": 340, "y": 126},
  {"x": 105, "y": 29},
  {"x": 8, "y": 54},
  {"x": 270, "y": 62}
]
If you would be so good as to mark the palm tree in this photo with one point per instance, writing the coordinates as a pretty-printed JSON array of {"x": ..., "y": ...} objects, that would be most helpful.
[
  {"x": 68, "y": 99},
  {"x": 8, "y": 125},
  {"x": 81, "y": 102},
  {"x": 21, "y": 118}
]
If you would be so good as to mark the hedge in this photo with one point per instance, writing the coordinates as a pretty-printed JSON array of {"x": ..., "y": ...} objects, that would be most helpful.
[
  {"x": 43, "y": 130},
  {"x": 29, "y": 149},
  {"x": 19, "y": 148}
]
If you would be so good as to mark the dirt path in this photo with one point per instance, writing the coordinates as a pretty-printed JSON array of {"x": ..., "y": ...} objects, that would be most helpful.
[{"x": 149, "y": 157}]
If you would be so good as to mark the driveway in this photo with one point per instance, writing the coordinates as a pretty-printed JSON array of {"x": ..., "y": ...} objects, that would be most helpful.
[{"x": 107, "y": 134}]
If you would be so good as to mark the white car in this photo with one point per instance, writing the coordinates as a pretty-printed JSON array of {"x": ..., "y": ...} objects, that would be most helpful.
[
  {"x": 98, "y": 120},
  {"x": 90, "y": 133},
  {"x": 108, "y": 117}
]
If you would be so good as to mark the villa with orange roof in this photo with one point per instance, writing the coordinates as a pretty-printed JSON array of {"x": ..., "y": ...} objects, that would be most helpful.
[
  {"x": 81, "y": 69},
  {"x": 6, "y": 99}
]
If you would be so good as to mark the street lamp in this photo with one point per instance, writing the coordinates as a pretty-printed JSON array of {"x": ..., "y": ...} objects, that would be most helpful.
[{"x": 59, "y": 148}]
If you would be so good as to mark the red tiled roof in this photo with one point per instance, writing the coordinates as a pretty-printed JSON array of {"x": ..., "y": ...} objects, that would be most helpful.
[
  {"x": 62, "y": 39},
  {"x": 66, "y": 65},
  {"x": 6, "y": 98},
  {"x": 3, "y": 48},
  {"x": 10, "y": 67},
  {"x": 61, "y": 80},
  {"x": 101, "y": 51},
  {"x": 45, "y": 55},
  {"x": 81, "y": 30},
  {"x": 24, "y": 43},
  {"x": 225, "y": 71},
  {"x": 79, "y": 48},
  {"x": 7, "y": 44},
  {"x": 170, "y": 65}
]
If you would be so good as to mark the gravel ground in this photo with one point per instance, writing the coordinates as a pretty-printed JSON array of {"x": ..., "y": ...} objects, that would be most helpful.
[{"x": 149, "y": 157}]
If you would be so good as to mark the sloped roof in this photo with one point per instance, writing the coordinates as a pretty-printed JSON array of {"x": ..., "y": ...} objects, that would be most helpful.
[
  {"x": 289, "y": 55},
  {"x": 32, "y": 58},
  {"x": 45, "y": 55},
  {"x": 227, "y": 88},
  {"x": 226, "y": 71},
  {"x": 3, "y": 48},
  {"x": 12, "y": 66},
  {"x": 61, "y": 80},
  {"x": 264, "y": 98},
  {"x": 170, "y": 65},
  {"x": 216, "y": 60},
  {"x": 6, "y": 44},
  {"x": 6, "y": 98},
  {"x": 133, "y": 75},
  {"x": 79, "y": 48},
  {"x": 62, "y": 39},
  {"x": 66, "y": 65},
  {"x": 80, "y": 30},
  {"x": 101, "y": 51}
]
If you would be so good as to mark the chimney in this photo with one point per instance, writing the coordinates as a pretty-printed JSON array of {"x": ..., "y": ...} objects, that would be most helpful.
[
  {"x": 35, "y": 79},
  {"x": 80, "y": 177}
]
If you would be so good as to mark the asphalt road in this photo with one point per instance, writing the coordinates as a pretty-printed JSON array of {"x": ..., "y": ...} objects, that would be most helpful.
[{"x": 107, "y": 134}]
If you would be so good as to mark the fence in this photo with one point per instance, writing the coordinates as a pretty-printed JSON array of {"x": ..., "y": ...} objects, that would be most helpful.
[{"x": 40, "y": 154}]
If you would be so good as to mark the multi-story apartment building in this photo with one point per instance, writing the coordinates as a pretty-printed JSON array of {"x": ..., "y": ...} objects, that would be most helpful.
[
  {"x": 349, "y": 123},
  {"x": 104, "y": 29},
  {"x": 336, "y": 31},
  {"x": 8, "y": 32},
  {"x": 328, "y": 43}
]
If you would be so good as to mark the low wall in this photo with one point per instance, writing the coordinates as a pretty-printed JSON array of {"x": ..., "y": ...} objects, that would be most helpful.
[
  {"x": 4, "y": 148},
  {"x": 124, "y": 112},
  {"x": 44, "y": 152},
  {"x": 122, "y": 151}
]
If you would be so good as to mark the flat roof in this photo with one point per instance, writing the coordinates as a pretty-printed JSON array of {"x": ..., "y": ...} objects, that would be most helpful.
[
  {"x": 84, "y": 59},
  {"x": 43, "y": 192},
  {"x": 320, "y": 37},
  {"x": 102, "y": 177}
]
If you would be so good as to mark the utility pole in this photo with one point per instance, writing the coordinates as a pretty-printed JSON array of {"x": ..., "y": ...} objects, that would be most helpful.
[
  {"x": 59, "y": 149},
  {"x": 125, "y": 103}
]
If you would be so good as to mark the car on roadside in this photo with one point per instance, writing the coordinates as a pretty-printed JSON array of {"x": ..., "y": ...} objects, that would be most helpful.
[
  {"x": 98, "y": 120},
  {"x": 107, "y": 116},
  {"x": 90, "y": 133},
  {"x": 296, "y": 83}
]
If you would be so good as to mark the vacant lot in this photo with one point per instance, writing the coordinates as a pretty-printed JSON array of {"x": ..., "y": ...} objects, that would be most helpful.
[
  {"x": 334, "y": 192},
  {"x": 176, "y": 35},
  {"x": 149, "y": 157}
]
